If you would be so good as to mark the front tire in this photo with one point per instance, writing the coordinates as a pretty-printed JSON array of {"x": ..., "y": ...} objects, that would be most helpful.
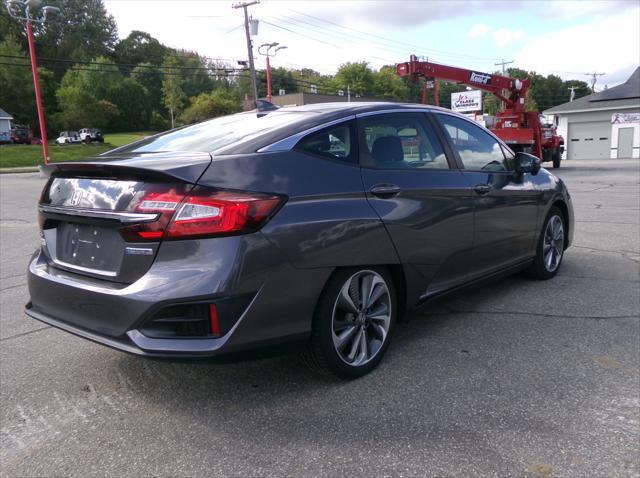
[
  {"x": 350, "y": 334},
  {"x": 550, "y": 247},
  {"x": 556, "y": 157}
]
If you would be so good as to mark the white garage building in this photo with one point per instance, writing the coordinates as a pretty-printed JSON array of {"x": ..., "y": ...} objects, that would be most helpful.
[{"x": 602, "y": 125}]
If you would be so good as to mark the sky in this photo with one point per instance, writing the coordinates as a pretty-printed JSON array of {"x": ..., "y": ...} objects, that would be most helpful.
[{"x": 565, "y": 37}]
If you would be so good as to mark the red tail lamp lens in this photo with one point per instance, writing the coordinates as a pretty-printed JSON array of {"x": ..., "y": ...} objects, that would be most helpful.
[{"x": 202, "y": 212}]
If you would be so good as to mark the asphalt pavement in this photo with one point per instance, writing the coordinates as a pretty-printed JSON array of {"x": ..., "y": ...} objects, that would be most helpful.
[{"x": 515, "y": 378}]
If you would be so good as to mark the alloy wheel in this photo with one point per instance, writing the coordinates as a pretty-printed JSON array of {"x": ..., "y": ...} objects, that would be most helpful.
[
  {"x": 361, "y": 317},
  {"x": 553, "y": 243}
]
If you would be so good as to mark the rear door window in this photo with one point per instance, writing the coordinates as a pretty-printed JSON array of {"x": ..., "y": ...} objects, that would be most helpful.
[{"x": 333, "y": 142}]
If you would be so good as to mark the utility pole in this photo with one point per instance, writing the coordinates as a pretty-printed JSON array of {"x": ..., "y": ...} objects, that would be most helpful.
[
  {"x": 503, "y": 63},
  {"x": 572, "y": 95},
  {"x": 594, "y": 77},
  {"x": 348, "y": 93},
  {"x": 25, "y": 10},
  {"x": 252, "y": 67}
]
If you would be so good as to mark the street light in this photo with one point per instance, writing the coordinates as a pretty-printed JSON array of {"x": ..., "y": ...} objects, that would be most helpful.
[
  {"x": 267, "y": 47},
  {"x": 30, "y": 11}
]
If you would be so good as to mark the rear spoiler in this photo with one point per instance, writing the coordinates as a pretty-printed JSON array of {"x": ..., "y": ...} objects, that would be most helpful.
[{"x": 186, "y": 167}]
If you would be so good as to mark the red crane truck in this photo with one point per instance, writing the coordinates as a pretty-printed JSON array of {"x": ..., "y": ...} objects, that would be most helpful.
[{"x": 521, "y": 130}]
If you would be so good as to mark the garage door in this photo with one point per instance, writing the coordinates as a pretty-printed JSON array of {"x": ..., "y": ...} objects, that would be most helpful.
[{"x": 589, "y": 140}]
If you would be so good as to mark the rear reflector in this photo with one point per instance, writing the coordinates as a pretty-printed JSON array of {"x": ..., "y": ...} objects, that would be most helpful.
[
  {"x": 202, "y": 212},
  {"x": 214, "y": 320}
]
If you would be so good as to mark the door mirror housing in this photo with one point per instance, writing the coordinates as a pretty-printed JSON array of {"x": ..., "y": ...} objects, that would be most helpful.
[{"x": 527, "y": 163}]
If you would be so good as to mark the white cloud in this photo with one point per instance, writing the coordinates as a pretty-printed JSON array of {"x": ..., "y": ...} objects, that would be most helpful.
[
  {"x": 609, "y": 44},
  {"x": 503, "y": 36},
  {"x": 479, "y": 30},
  {"x": 569, "y": 9}
]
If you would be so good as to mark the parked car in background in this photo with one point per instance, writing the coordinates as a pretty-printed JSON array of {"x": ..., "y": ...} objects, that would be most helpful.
[
  {"x": 68, "y": 137},
  {"x": 20, "y": 134},
  {"x": 89, "y": 135},
  {"x": 319, "y": 225},
  {"x": 5, "y": 137}
]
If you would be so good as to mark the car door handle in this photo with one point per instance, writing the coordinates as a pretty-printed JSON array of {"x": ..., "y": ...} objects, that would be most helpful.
[
  {"x": 385, "y": 191},
  {"x": 482, "y": 189}
]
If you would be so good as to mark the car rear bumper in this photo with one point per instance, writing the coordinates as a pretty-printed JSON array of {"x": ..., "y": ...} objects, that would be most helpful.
[{"x": 184, "y": 271}]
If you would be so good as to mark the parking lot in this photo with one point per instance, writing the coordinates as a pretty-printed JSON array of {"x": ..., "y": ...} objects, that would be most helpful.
[{"x": 514, "y": 378}]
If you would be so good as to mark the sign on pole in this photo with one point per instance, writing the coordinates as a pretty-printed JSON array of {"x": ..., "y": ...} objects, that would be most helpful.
[{"x": 466, "y": 101}]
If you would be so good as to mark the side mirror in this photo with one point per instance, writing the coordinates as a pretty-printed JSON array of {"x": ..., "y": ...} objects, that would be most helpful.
[{"x": 527, "y": 163}]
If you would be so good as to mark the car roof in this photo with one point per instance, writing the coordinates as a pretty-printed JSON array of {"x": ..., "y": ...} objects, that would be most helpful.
[{"x": 316, "y": 114}]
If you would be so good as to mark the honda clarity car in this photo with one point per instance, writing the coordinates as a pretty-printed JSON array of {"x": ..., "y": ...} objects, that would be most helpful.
[{"x": 321, "y": 226}]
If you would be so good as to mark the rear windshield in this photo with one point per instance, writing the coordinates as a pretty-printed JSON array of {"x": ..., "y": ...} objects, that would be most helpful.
[{"x": 214, "y": 134}]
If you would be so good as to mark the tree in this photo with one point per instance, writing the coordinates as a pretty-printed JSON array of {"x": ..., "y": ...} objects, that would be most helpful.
[
  {"x": 79, "y": 108},
  {"x": 196, "y": 79},
  {"x": 444, "y": 92},
  {"x": 140, "y": 47},
  {"x": 82, "y": 30},
  {"x": 96, "y": 78},
  {"x": 306, "y": 77},
  {"x": 150, "y": 77},
  {"x": 281, "y": 79},
  {"x": 131, "y": 99},
  {"x": 387, "y": 84},
  {"x": 210, "y": 105},
  {"x": 173, "y": 93},
  {"x": 357, "y": 77},
  {"x": 16, "y": 92}
]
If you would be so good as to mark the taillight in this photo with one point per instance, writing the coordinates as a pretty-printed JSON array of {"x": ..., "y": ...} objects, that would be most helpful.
[{"x": 202, "y": 212}]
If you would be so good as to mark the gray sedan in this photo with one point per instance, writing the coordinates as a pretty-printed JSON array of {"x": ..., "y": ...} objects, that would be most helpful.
[{"x": 320, "y": 226}]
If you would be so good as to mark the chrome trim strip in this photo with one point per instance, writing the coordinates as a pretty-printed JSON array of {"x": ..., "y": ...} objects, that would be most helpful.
[
  {"x": 117, "y": 215},
  {"x": 73, "y": 267},
  {"x": 288, "y": 143},
  {"x": 408, "y": 109}
]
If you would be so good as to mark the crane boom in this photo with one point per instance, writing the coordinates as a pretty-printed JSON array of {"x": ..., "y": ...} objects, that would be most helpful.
[
  {"x": 519, "y": 128},
  {"x": 494, "y": 84}
]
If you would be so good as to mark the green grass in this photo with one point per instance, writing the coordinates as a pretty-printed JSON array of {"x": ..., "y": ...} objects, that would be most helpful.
[{"x": 20, "y": 155}]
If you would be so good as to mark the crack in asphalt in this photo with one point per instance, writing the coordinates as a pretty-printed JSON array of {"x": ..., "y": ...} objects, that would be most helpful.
[
  {"x": 12, "y": 286},
  {"x": 451, "y": 310},
  {"x": 11, "y": 277},
  {"x": 611, "y": 222},
  {"x": 598, "y": 278},
  {"x": 11, "y": 337}
]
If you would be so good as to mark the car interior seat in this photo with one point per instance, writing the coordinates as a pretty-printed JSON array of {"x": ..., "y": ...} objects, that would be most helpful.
[{"x": 387, "y": 149}]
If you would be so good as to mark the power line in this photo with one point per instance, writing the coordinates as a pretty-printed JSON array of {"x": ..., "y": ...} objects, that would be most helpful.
[
  {"x": 345, "y": 36},
  {"x": 238, "y": 73},
  {"x": 411, "y": 45},
  {"x": 127, "y": 65}
]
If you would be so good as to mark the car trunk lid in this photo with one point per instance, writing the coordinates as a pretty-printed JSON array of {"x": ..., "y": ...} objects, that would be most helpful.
[{"x": 86, "y": 208}]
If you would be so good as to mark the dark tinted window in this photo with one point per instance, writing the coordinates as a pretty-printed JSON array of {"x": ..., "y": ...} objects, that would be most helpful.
[
  {"x": 332, "y": 143},
  {"x": 478, "y": 150},
  {"x": 401, "y": 140}
]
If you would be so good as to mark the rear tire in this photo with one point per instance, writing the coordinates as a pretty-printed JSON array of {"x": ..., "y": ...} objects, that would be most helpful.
[
  {"x": 556, "y": 159},
  {"x": 550, "y": 247},
  {"x": 349, "y": 338}
]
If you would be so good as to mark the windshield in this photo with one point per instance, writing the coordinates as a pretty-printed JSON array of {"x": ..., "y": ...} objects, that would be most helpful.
[{"x": 213, "y": 134}]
